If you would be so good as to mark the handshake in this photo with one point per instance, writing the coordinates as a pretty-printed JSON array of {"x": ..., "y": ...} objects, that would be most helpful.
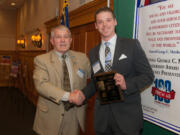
[{"x": 76, "y": 97}]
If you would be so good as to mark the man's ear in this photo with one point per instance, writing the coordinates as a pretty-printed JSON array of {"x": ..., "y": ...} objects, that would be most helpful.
[
  {"x": 71, "y": 40},
  {"x": 115, "y": 22},
  {"x": 95, "y": 25},
  {"x": 51, "y": 41}
]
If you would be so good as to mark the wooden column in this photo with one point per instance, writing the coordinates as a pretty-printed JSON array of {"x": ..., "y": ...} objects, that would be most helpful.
[{"x": 61, "y": 2}]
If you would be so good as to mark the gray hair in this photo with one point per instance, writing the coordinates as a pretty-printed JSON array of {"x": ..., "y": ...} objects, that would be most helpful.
[{"x": 60, "y": 27}]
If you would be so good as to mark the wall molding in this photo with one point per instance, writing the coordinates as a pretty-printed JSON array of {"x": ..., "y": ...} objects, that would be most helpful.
[
  {"x": 85, "y": 13},
  {"x": 80, "y": 16}
]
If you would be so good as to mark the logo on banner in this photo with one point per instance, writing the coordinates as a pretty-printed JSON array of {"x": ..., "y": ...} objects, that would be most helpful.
[{"x": 162, "y": 91}]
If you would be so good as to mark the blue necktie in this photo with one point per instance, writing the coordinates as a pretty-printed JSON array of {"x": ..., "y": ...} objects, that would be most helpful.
[{"x": 107, "y": 57}]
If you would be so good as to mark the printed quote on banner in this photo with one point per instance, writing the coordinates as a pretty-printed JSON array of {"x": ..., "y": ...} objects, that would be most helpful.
[{"x": 159, "y": 34}]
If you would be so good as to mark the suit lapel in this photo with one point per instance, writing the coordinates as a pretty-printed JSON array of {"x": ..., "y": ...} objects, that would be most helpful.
[
  {"x": 97, "y": 58},
  {"x": 73, "y": 60},
  {"x": 74, "y": 63},
  {"x": 117, "y": 53},
  {"x": 56, "y": 62}
]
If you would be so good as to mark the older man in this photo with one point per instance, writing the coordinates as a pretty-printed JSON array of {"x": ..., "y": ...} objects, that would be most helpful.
[{"x": 57, "y": 73}]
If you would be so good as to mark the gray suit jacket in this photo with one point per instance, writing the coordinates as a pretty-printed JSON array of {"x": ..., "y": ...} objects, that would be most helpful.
[
  {"x": 48, "y": 79},
  {"x": 137, "y": 73}
]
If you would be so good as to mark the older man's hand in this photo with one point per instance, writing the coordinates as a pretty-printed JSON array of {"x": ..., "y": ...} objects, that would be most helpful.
[{"x": 76, "y": 97}]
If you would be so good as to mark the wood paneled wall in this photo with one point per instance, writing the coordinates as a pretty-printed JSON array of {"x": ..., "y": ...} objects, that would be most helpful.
[
  {"x": 25, "y": 79},
  {"x": 84, "y": 37}
]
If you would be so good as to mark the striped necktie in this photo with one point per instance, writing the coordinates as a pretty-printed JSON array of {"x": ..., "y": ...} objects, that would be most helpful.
[{"x": 107, "y": 57}]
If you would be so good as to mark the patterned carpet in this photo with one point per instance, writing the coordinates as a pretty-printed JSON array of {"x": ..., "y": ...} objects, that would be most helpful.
[{"x": 16, "y": 113}]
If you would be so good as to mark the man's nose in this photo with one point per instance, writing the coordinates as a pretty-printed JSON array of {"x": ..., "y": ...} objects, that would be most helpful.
[
  {"x": 104, "y": 23},
  {"x": 62, "y": 39}
]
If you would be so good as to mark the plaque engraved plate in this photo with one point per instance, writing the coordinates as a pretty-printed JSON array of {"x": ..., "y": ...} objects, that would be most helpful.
[{"x": 108, "y": 92}]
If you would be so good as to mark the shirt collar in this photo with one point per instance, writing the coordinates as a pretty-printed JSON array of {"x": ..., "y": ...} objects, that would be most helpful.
[
  {"x": 112, "y": 40},
  {"x": 60, "y": 54}
]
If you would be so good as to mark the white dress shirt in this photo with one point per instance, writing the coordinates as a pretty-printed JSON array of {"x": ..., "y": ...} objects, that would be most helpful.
[{"x": 112, "y": 49}]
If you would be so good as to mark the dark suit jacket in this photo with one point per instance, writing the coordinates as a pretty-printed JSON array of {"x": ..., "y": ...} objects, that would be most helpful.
[{"x": 137, "y": 73}]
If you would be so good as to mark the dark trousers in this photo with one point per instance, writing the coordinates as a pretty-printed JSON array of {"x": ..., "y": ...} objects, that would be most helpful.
[{"x": 113, "y": 128}]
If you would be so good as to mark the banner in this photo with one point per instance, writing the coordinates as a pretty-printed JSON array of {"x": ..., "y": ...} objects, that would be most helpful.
[
  {"x": 138, "y": 4},
  {"x": 159, "y": 34}
]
